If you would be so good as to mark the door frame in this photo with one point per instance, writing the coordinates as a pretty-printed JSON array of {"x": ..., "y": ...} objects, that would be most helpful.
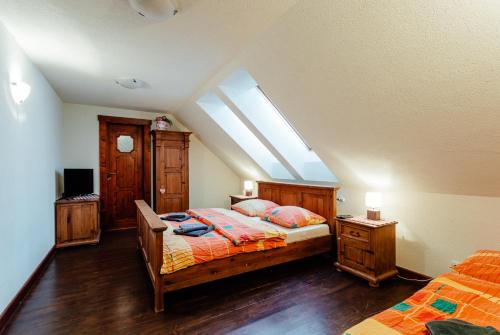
[{"x": 104, "y": 123}]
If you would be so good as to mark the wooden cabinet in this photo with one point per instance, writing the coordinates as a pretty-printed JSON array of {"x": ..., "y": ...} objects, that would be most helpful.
[
  {"x": 170, "y": 171},
  {"x": 77, "y": 222},
  {"x": 238, "y": 198},
  {"x": 367, "y": 248}
]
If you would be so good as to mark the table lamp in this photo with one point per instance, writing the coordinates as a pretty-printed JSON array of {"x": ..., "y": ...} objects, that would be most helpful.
[
  {"x": 248, "y": 186},
  {"x": 373, "y": 202}
]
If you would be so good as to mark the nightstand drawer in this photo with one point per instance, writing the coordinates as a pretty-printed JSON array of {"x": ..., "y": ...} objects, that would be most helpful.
[
  {"x": 355, "y": 242},
  {"x": 355, "y": 233}
]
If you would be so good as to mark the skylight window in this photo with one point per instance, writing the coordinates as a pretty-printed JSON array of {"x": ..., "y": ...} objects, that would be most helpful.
[
  {"x": 247, "y": 96},
  {"x": 240, "y": 133}
]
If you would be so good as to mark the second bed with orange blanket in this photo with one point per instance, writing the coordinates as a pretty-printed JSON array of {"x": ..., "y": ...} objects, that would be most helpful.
[{"x": 471, "y": 294}]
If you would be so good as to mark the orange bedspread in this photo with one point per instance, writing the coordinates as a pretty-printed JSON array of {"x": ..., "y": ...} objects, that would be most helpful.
[
  {"x": 237, "y": 231},
  {"x": 450, "y": 295},
  {"x": 180, "y": 252}
]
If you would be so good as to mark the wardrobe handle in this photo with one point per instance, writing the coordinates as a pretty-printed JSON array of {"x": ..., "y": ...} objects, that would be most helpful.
[{"x": 162, "y": 189}]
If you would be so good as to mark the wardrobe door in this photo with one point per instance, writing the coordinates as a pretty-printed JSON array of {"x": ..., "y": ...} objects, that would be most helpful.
[
  {"x": 172, "y": 185},
  {"x": 171, "y": 172}
]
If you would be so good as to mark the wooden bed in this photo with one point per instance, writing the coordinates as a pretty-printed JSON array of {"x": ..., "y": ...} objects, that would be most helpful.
[{"x": 318, "y": 199}]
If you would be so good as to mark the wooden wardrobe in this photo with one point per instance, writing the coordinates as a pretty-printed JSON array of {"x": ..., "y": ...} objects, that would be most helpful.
[{"x": 170, "y": 171}]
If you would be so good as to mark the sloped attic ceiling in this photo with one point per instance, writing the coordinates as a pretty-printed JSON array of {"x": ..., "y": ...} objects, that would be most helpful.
[
  {"x": 82, "y": 46},
  {"x": 391, "y": 95}
]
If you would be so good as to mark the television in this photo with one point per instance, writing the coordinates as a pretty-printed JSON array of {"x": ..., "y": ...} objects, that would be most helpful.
[{"x": 78, "y": 182}]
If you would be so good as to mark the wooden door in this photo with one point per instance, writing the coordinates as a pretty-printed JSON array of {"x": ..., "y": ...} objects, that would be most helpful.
[
  {"x": 124, "y": 174},
  {"x": 171, "y": 188},
  {"x": 124, "y": 169}
]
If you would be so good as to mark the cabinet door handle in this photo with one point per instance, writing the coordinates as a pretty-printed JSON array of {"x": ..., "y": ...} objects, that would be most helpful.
[{"x": 162, "y": 189}]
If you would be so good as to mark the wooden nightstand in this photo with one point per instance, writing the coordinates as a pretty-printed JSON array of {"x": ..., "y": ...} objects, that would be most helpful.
[
  {"x": 367, "y": 248},
  {"x": 237, "y": 198}
]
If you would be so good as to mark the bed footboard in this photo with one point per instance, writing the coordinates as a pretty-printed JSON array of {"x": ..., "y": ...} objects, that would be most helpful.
[{"x": 150, "y": 230}]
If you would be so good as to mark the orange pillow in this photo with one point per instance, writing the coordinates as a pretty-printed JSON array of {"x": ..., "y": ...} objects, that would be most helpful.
[
  {"x": 253, "y": 207},
  {"x": 484, "y": 264},
  {"x": 292, "y": 216}
]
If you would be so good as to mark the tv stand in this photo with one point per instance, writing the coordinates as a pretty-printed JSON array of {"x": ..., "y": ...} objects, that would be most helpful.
[{"x": 77, "y": 221}]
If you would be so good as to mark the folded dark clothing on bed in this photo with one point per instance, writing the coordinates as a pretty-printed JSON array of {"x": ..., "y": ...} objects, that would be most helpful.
[
  {"x": 458, "y": 327},
  {"x": 177, "y": 217},
  {"x": 194, "y": 233},
  {"x": 187, "y": 227}
]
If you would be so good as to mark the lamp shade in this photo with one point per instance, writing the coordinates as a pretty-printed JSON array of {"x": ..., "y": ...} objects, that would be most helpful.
[
  {"x": 248, "y": 185},
  {"x": 373, "y": 200},
  {"x": 20, "y": 91}
]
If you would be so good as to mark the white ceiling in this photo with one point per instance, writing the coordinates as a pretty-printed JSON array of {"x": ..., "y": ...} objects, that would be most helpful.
[{"x": 81, "y": 46}]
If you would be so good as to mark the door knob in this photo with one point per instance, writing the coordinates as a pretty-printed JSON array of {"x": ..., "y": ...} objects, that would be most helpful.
[{"x": 110, "y": 174}]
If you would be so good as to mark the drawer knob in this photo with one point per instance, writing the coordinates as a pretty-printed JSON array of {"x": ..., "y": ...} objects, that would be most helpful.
[{"x": 354, "y": 233}]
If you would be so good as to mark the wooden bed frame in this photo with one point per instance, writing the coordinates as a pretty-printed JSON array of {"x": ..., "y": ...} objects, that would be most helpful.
[{"x": 318, "y": 199}]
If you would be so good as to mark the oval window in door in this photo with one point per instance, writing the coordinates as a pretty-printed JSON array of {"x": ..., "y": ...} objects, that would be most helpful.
[{"x": 125, "y": 143}]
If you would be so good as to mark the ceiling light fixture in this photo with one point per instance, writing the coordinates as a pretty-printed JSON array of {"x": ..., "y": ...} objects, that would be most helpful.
[
  {"x": 130, "y": 83},
  {"x": 20, "y": 91},
  {"x": 155, "y": 9}
]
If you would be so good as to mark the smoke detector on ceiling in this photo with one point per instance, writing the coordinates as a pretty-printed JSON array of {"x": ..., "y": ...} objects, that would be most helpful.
[
  {"x": 130, "y": 83},
  {"x": 155, "y": 9}
]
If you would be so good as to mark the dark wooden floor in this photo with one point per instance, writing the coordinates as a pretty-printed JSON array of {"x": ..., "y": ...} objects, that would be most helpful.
[{"x": 104, "y": 290}]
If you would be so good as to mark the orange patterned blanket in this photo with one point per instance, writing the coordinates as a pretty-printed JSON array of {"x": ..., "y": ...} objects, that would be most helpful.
[
  {"x": 238, "y": 231},
  {"x": 448, "y": 296},
  {"x": 180, "y": 252}
]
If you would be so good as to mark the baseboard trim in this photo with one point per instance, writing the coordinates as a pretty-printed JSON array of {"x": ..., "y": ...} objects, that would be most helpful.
[
  {"x": 412, "y": 274},
  {"x": 119, "y": 229},
  {"x": 16, "y": 302}
]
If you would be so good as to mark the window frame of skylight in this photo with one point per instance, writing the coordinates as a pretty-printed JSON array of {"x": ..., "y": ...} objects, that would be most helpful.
[
  {"x": 283, "y": 117},
  {"x": 258, "y": 134},
  {"x": 296, "y": 167},
  {"x": 222, "y": 99}
]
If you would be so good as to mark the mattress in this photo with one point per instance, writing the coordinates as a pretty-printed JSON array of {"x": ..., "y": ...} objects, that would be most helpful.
[{"x": 293, "y": 234}]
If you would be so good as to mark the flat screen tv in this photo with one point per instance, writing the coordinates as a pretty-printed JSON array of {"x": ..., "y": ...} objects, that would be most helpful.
[{"x": 78, "y": 182}]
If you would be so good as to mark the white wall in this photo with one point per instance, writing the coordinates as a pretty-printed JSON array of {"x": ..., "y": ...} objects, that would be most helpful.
[
  {"x": 29, "y": 146},
  {"x": 211, "y": 181},
  {"x": 434, "y": 229}
]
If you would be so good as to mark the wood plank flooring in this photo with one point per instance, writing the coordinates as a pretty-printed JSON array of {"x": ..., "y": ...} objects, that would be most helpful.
[{"x": 105, "y": 290}]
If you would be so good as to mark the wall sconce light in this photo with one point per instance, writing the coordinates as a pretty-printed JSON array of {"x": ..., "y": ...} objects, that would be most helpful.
[
  {"x": 373, "y": 200},
  {"x": 20, "y": 91},
  {"x": 248, "y": 186}
]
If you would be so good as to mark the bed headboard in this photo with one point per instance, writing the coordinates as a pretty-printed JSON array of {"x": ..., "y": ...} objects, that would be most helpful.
[{"x": 318, "y": 199}]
